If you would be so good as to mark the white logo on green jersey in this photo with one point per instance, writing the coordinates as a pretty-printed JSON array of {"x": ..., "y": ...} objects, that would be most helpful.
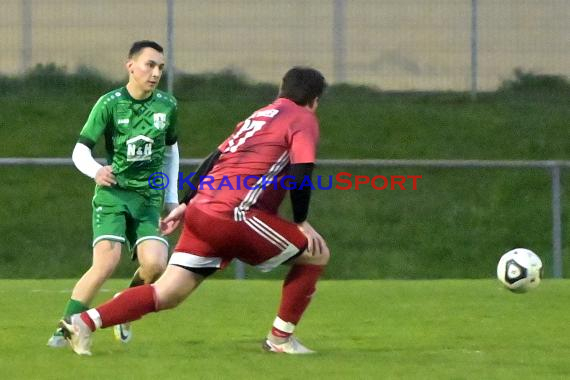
[
  {"x": 159, "y": 120},
  {"x": 139, "y": 148}
]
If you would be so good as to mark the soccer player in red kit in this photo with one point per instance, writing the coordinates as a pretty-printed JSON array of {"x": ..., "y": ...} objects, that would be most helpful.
[{"x": 233, "y": 214}]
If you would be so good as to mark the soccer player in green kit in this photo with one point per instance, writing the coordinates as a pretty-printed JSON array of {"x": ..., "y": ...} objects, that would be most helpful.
[{"x": 138, "y": 123}]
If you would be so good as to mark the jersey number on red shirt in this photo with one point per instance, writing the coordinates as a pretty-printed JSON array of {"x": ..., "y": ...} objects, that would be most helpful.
[{"x": 247, "y": 130}]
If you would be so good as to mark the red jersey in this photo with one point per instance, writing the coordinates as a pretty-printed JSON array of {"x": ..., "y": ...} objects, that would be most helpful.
[{"x": 256, "y": 156}]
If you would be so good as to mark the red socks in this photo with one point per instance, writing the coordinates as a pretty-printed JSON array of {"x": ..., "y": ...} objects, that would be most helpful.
[
  {"x": 133, "y": 303},
  {"x": 299, "y": 286},
  {"x": 128, "y": 306}
]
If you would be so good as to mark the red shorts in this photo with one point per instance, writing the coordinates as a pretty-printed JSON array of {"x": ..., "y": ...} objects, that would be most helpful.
[{"x": 212, "y": 240}]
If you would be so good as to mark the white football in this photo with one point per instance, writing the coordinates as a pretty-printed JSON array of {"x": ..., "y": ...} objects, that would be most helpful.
[{"x": 520, "y": 270}]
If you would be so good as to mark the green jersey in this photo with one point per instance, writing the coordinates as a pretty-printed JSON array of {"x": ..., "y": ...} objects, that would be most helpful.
[{"x": 136, "y": 133}]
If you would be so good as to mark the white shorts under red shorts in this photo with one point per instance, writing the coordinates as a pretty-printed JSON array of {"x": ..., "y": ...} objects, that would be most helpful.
[{"x": 213, "y": 240}]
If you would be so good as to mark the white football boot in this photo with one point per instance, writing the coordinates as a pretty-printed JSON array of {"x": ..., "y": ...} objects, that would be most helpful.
[
  {"x": 77, "y": 333},
  {"x": 289, "y": 346},
  {"x": 57, "y": 340},
  {"x": 123, "y": 332}
]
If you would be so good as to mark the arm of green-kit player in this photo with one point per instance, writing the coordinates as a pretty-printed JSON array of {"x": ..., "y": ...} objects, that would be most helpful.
[{"x": 84, "y": 161}]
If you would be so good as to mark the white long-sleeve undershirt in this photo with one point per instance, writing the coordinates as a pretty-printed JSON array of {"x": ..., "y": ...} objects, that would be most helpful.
[
  {"x": 171, "y": 167},
  {"x": 84, "y": 161}
]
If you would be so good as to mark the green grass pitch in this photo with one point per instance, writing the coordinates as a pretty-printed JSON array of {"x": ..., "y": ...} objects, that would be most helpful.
[{"x": 438, "y": 329}]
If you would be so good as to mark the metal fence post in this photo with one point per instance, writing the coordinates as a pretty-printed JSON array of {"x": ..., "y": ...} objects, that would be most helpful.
[
  {"x": 339, "y": 42},
  {"x": 26, "y": 53},
  {"x": 474, "y": 43},
  {"x": 239, "y": 270},
  {"x": 170, "y": 46},
  {"x": 556, "y": 223}
]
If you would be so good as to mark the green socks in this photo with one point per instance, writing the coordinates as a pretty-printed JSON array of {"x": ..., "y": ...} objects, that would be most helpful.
[{"x": 74, "y": 307}]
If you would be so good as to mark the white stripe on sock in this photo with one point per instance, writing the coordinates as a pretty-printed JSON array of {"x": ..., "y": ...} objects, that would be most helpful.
[
  {"x": 281, "y": 325},
  {"x": 95, "y": 317}
]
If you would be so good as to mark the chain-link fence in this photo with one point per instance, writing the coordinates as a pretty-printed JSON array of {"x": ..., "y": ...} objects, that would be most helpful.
[{"x": 392, "y": 44}]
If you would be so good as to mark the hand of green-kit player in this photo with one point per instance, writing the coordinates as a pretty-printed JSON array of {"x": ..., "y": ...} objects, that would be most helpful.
[
  {"x": 105, "y": 176},
  {"x": 172, "y": 220}
]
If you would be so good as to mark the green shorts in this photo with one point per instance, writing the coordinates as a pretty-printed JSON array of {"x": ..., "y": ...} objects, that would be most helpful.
[{"x": 126, "y": 216}]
